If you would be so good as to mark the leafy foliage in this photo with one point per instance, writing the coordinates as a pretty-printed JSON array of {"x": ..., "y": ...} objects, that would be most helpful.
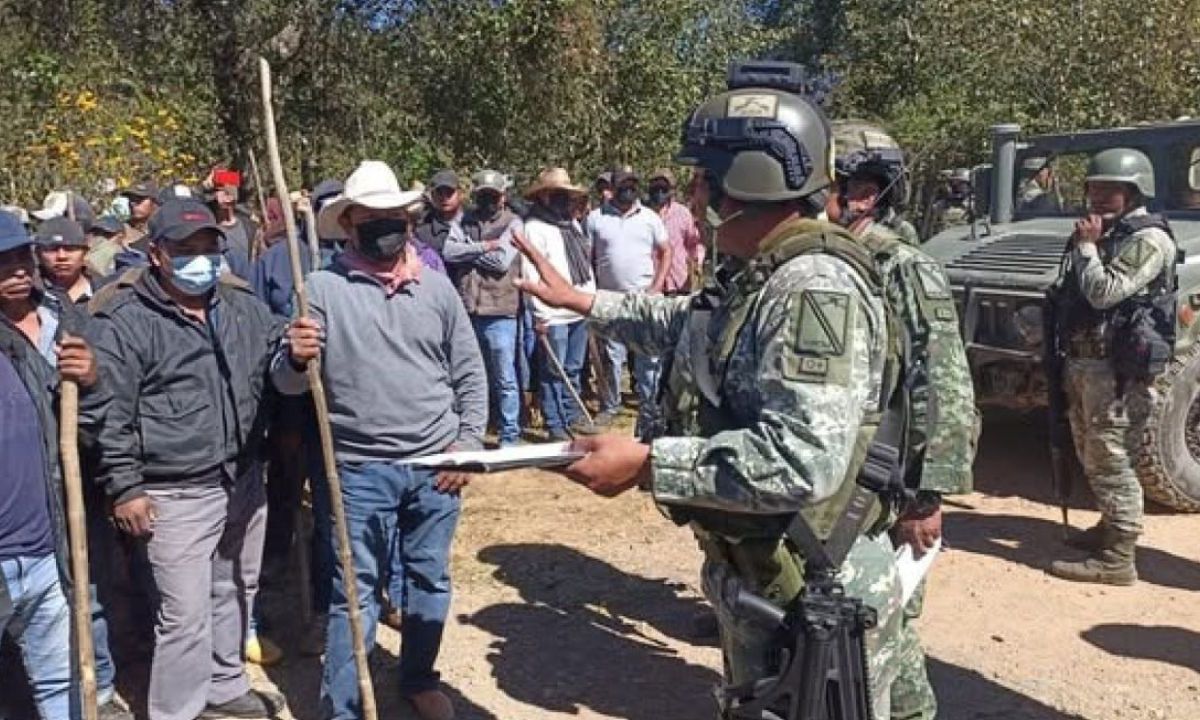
[{"x": 96, "y": 89}]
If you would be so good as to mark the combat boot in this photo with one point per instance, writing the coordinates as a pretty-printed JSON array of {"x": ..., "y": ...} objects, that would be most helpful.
[
  {"x": 1090, "y": 540},
  {"x": 1112, "y": 564}
]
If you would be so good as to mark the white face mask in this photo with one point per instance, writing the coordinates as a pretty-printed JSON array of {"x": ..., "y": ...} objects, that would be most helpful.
[{"x": 195, "y": 274}]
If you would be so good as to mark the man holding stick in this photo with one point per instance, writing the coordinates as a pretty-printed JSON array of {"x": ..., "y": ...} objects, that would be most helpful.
[
  {"x": 186, "y": 359},
  {"x": 34, "y": 582},
  {"x": 403, "y": 378}
]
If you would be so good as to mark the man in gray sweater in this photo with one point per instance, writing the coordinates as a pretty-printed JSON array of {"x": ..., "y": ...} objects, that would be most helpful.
[{"x": 403, "y": 378}]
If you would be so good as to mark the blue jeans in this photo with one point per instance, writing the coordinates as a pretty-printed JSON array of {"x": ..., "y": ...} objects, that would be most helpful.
[
  {"x": 528, "y": 342},
  {"x": 40, "y": 622},
  {"x": 383, "y": 499},
  {"x": 569, "y": 343},
  {"x": 645, "y": 383},
  {"x": 498, "y": 343}
]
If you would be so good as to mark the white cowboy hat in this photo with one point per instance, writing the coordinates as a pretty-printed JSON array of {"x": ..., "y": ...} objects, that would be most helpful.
[
  {"x": 553, "y": 179},
  {"x": 373, "y": 185}
]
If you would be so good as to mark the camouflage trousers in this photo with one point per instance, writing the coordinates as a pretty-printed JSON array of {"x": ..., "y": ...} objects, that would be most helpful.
[
  {"x": 1107, "y": 428},
  {"x": 750, "y": 651},
  {"x": 912, "y": 695}
]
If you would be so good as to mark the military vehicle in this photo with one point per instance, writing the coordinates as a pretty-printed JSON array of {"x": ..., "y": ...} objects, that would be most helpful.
[{"x": 1001, "y": 265}]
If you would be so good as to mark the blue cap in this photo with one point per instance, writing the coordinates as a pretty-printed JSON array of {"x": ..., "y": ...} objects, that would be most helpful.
[
  {"x": 179, "y": 218},
  {"x": 12, "y": 233}
]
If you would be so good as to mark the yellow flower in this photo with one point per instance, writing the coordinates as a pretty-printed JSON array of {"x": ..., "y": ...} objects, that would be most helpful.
[{"x": 86, "y": 102}]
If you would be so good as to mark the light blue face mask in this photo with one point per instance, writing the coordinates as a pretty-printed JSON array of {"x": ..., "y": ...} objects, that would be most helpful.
[{"x": 195, "y": 274}]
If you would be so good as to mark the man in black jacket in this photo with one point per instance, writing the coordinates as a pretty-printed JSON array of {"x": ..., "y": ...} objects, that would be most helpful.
[
  {"x": 35, "y": 352},
  {"x": 186, "y": 357}
]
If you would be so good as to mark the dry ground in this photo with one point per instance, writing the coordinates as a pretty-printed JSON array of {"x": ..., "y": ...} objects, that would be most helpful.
[{"x": 568, "y": 605}]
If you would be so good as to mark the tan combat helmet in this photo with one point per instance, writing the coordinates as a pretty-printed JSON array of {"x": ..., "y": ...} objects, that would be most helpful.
[
  {"x": 760, "y": 144},
  {"x": 1123, "y": 165},
  {"x": 861, "y": 148}
]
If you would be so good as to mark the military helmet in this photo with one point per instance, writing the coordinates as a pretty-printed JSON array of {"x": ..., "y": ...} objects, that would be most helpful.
[
  {"x": 1123, "y": 165},
  {"x": 962, "y": 175},
  {"x": 862, "y": 149},
  {"x": 762, "y": 144}
]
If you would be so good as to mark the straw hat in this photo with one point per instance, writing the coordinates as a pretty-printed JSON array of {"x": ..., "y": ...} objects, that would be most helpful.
[
  {"x": 372, "y": 185},
  {"x": 553, "y": 179}
]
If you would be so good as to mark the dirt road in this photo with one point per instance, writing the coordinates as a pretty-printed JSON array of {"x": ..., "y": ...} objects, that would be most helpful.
[{"x": 569, "y": 605}]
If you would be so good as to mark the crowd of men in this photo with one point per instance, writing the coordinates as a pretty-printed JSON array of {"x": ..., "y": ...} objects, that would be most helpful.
[{"x": 814, "y": 379}]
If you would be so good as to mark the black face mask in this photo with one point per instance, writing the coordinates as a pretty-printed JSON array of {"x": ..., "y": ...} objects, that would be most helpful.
[
  {"x": 626, "y": 197},
  {"x": 383, "y": 238},
  {"x": 659, "y": 197},
  {"x": 486, "y": 206},
  {"x": 560, "y": 203}
]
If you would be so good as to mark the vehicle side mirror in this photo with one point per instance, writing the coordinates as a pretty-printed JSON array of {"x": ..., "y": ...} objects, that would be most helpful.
[{"x": 981, "y": 187}]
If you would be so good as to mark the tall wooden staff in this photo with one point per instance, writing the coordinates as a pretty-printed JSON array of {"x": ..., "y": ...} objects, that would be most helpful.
[
  {"x": 262, "y": 205},
  {"x": 317, "y": 388},
  {"x": 81, "y": 598}
]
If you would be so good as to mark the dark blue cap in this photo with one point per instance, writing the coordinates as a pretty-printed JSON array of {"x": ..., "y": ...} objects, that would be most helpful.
[
  {"x": 181, "y": 218},
  {"x": 12, "y": 233},
  {"x": 60, "y": 232}
]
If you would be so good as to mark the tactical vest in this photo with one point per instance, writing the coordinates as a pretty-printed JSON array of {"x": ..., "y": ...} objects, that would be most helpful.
[
  {"x": 695, "y": 406},
  {"x": 1138, "y": 332}
]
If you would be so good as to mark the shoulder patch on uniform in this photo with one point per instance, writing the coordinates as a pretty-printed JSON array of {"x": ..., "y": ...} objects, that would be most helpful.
[
  {"x": 824, "y": 322},
  {"x": 1134, "y": 255},
  {"x": 762, "y": 105},
  {"x": 934, "y": 285}
]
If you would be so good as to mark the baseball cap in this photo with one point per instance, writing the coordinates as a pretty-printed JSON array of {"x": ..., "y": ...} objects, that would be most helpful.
[
  {"x": 12, "y": 232},
  {"x": 444, "y": 178},
  {"x": 142, "y": 190},
  {"x": 107, "y": 225},
  {"x": 180, "y": 218},
  {"x": 489, "y": 180},
  {"x": 325, "y": 191},
  {"x": 664, "y": 174},
  {"x": 623, "y": 174},
  {"x": 174, "y": 191},
  {"x": 55, "y": 205},
  {"x": 60, "y": 232},
  {"x": 604, "y": 177}
]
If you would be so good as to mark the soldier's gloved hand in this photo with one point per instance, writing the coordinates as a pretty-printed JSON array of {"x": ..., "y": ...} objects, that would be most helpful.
[
  {"x": 613, "y": 464},
  {"x": 550, "y": 287},
  {"x": 304, "y": 341},
  {"x": 76, "y": 362}
]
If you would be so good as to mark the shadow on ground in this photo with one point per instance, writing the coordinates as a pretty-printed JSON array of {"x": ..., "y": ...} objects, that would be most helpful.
[
  {"x": 966, "y": 695},
  {"x": 579, "y": 640},
  {"x": 1174, "y": 645},
  {"x": 1014, "y": 461},
  {"x": 1036, "y": 543}
]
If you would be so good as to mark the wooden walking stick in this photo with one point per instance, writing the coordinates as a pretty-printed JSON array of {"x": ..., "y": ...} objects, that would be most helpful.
[
  {"x": 262, "y": 202},
  {"x": 317, "y": 388},
  {"x": 81, "y": 598}
]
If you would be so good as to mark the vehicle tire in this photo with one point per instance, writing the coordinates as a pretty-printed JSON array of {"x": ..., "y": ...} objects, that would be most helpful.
[{"x": 1168, "y": 462}]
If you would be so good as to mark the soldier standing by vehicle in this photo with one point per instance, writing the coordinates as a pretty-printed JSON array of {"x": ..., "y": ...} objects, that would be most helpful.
[
  {"x": 1115, "y": 322},
  {"x": 775, "y": 379},
  {"x": 1038, "y": 193},
  {"x": 955, "y": 206},
  {"x": 943, "y": 425}
]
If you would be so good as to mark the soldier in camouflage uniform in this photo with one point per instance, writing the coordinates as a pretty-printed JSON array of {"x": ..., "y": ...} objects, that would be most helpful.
[
  {"x": 954, "y": 207},
  {"x": 887, "y": 204},
  {"x": 944, "y": 425},
  {"x": 1038, "y": 192},
  {"x": 777, "y": 381},
  {"x": 1116, "y": 316}
]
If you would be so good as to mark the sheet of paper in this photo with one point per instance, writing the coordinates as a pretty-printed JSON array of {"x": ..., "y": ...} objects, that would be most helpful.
[
  {"x": 521, "y": 456},
  {"x": 912, "y": 570}
]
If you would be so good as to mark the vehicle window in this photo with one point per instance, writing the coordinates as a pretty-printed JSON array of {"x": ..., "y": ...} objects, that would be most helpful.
[
  {"x": 1051, "y": 185},
  {"x": 1185, "y": 178}
]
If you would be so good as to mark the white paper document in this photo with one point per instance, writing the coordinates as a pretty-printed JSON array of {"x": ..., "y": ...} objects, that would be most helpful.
[
  {"x": 486, "y": 461},
  {"x": 912, "y": 571}
]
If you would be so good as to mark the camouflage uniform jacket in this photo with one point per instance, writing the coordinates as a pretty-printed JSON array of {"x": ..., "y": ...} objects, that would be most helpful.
[
  {"x": 903, "y": 229},
  {"x": 1105, "y": 280},
  {"x": 802, "y": 373},
  {"x": 943, "y": 427}
]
